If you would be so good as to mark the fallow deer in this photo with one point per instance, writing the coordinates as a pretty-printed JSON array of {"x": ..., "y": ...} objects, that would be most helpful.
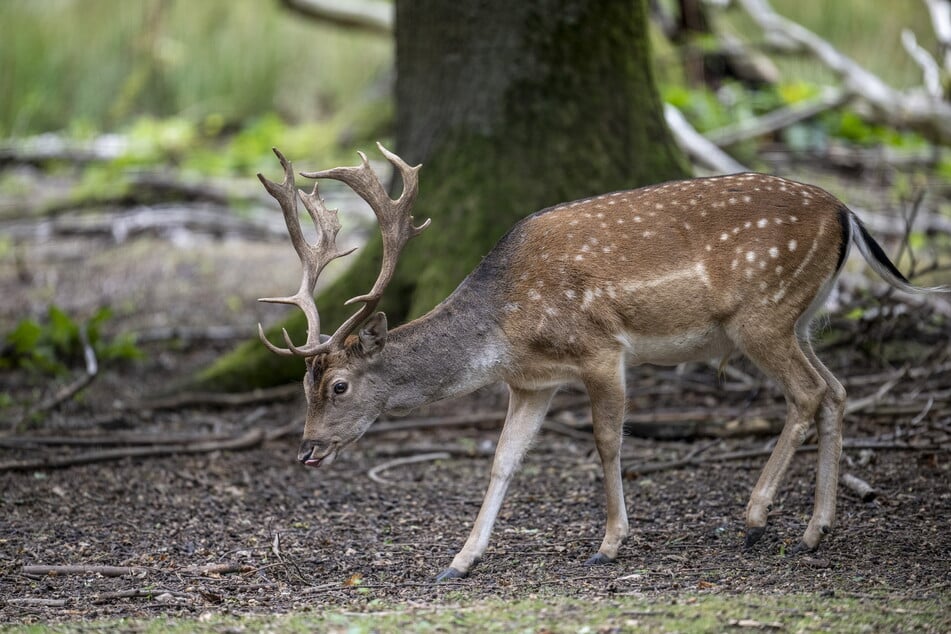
[{"x": 681, "y": 271}]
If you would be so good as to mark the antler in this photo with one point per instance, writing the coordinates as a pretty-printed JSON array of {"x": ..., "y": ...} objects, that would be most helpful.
[
  {"x": 396, "y": 225},
  {"x": 313, "y": 257}
]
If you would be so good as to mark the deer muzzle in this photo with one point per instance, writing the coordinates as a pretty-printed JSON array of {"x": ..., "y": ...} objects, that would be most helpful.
[{"x": 313, "y": 453}]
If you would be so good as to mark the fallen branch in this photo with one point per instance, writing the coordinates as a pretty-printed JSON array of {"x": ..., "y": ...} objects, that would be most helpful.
[
  {"x": 105, "y": 571},
  {"x": 746, "y": 454},
  {"x": 857, "y": 405},
  {"x": 46, "y": 603},
  {"x": 700, "y": 149},
  {"x": 860, "y": 487},
  {"x": 245, "y": 441},
  {"x": 920, "y": 111},
  {"x": 215, "y": 399},
  {"x": 375, "y": 472},
  {"x": 161, "y": 218},
  {"x": 188, "y": 335},
  {"x": 216, "y": 569},
  {"x": 51, "y": 146}
]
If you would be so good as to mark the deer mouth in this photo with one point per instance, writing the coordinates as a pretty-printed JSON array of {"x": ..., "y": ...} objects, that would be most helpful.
[{"x": 309, "y": 459}]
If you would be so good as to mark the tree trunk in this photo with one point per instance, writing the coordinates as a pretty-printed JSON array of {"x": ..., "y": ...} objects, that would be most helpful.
[{"x": 511, "y": 107}]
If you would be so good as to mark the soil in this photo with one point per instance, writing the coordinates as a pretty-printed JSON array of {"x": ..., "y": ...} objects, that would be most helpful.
[{"x": 333, "y": 538}]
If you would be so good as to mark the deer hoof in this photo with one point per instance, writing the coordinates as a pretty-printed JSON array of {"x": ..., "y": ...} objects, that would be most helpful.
[
  {"x": 449, "y": 574},
  {"x": 598, "y": 559},
  {"x": 753, "y": 535},
  {"x": 800, "y": 548}
]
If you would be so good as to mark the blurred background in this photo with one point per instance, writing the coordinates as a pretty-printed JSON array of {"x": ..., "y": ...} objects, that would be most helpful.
[{"x": 130, "y": 134}]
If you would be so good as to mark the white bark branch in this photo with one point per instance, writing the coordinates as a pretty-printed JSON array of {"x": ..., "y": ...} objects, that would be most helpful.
[
  {"x": 700, "y": 149},
  {"x": 940, "y": 12},
  {"x": 367, "y": 15},
  {"x": 913, "y": 109}
]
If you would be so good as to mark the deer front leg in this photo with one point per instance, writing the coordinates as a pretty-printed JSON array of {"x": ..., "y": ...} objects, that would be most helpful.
[
  {"x": 606, "y": 391},
  {"x": 525, "y": 415}
]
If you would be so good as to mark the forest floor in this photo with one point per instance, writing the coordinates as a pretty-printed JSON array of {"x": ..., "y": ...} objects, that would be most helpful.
[{"x": 209, "y": 535}]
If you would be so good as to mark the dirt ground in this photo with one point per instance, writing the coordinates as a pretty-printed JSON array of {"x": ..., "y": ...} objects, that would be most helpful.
[{"x": 291, "y": 538}]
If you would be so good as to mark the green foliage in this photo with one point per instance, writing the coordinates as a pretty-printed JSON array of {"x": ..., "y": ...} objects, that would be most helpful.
[
  {"x": 849, "y": 126},
  {"x": 735, "y": 103},
  {"x": 56, "y": 344}
]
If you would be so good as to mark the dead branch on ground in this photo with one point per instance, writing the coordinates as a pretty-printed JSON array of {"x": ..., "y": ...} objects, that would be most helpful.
[
  {"x": 72, "y": 569},
  {"x": 217, "y": 399},
  {"x": 246, "y": 440},
  {"x": 121, "y": 225},
  {"x": 634, "y": 470},
  {"x": 858, "y": 486}
]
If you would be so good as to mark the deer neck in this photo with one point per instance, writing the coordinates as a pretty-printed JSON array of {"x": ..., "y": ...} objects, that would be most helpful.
[{"x": 455, "y": 349}]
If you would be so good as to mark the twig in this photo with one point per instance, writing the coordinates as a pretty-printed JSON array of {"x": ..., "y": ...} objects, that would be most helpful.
[
  {"x": 216, "y": 569},
  {"x": 105, "y": 571},
  {"x": 190, "y": 399},
  {"x": 562, "y": 429},
  {"x": 745, "y": 454},
  {"x": 651, "y": 467},
  {"x": 47, "y": 603},
  {"x": 860, "y": 487},
  {"x": 863, "y": 403},
  {"x": 247, "y": 440},
  {"x": 375, "y": 472}
]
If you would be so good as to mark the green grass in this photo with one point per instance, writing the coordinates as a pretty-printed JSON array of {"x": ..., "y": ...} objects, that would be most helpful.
[
  {"x": 556, "y": 613},
  {"x": 96, "y": 65}
]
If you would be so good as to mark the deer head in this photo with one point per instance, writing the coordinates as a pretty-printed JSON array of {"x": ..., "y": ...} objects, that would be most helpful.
[{"x": 343, "y": 399}]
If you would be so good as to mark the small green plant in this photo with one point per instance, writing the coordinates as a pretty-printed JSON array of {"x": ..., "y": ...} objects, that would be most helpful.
[{"x": 56, "y": 344}]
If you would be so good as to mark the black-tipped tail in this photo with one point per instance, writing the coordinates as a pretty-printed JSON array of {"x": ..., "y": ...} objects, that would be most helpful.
[{"x": 878, "y": 260}]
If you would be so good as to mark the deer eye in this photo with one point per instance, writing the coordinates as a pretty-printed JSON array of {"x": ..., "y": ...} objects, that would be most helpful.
[{"x": 340, "y": 387}]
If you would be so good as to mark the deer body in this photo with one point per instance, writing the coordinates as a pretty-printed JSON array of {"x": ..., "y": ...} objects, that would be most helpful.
[{"x": 682, "y": 271}]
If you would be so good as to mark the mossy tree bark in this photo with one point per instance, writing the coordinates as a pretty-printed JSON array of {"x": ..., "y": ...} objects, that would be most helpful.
[{"x": 511, "y": 107}]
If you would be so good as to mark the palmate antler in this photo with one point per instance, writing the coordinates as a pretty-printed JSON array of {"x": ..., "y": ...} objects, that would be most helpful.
[{"x": 396, "y": 225}]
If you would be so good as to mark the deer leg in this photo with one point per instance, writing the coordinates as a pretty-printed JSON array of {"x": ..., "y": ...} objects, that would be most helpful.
[
  {"x": 606, "y": 391},
  {"x": 525, "y": 415},
  {"x": 804, "y": 388},
  {"x": 829, "y": 426}
]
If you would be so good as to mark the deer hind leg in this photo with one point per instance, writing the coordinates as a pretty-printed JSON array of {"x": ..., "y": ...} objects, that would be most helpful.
[
  {"x": 805, "y": 390},
  {"x": 526, "y": 412},
  {"x": 829, "y": 426},
  {"x": 607, "y": 392}
]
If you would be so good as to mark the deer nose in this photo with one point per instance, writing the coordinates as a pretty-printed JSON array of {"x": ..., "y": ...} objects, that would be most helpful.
[{"x": 306, "y": 451}]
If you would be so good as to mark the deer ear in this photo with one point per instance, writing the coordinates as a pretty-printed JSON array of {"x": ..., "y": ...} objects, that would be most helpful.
[{"x": 373, "y": 334}]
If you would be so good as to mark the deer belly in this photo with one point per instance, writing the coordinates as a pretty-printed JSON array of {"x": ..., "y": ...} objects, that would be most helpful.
[{"x": 671, "y": 349}]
